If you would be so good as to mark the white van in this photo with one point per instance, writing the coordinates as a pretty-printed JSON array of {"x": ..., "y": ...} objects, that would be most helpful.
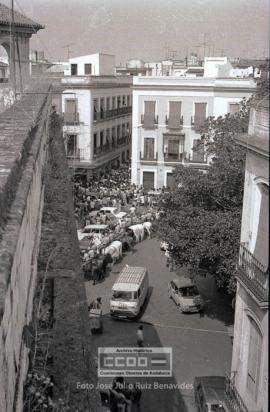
[{"x": 129, "y": 292}]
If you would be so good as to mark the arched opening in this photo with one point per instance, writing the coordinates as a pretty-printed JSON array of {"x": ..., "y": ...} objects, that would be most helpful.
[{"x": 4, "y": 63}]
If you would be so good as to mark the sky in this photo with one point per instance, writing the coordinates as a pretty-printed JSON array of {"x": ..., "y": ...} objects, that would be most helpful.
[{"x": 149, "y": 29}]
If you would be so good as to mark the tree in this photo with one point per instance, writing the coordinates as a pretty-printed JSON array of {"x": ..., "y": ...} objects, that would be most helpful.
[{"x": 202, "y": 216}]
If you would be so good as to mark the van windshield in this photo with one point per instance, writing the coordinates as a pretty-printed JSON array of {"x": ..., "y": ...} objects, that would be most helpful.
[
  {"x": 122, "y": 295},
  {"x": 189, "y": 291}
]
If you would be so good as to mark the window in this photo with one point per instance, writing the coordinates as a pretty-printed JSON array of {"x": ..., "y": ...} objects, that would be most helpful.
[
  {"x": 71, "y": 145},
  {"x": 170, "y": 180},
  {"x": 254, "y": 359},
  {"x": 95, "y": 141},
  {"x": 101, "y": 137},
  {"x": 118, "y": 132},
  {"x": 174, "y": 115},
  {"x": 123, "y": 101},
  {"x": 149, "y": 114},
  {"x": 149, "y": 148},
  {"x": 74, "y": 69},
  {"x": 118, "y": 102},
  {"x": 95, "y": 105},
  {"x": 71, "y": 110},
  {"x": 123, "y": 130},
  {"x": 262, "y": 238},
  {"x": 113, "y": 102},
  {"x": 148, "y": 180},
  {"x": 128, "y": 100},
  {"x": 87, "y": 68},
  {"x": 198, "y": 151},
  {"x": 102, "y": 109},
  {"x": 233, "y": 108},
  {"x": 108, "y": 103},
  {"x": 108, "y": 136},
  {"x": 200, "y": 115}
]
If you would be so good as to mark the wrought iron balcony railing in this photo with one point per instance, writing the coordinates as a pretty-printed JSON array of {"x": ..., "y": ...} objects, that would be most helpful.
[
  {"x": 111, "y": 114},
  {"x": 174, "y": 125},
  {"x": 233, "y": 400},
  {"x": 253, "y": 274},
  {"x": 146, "y": 157},
  {"x": 173, "y": 157},
  {"x": 71, "y": 118},
  {"x": 149, "y": 124},
  {"x": 197, "y": 122}
]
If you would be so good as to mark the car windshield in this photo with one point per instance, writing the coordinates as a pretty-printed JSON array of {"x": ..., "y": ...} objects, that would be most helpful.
[
  {"x": 188, "y": 291},
  {"x": 87, "y": 230},
  {"x": 122, "y": 295},
  {"x": 217, "y": 408}
]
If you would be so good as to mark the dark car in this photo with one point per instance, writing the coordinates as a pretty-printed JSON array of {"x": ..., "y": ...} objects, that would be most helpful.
[{"x": 209, "y": 392}]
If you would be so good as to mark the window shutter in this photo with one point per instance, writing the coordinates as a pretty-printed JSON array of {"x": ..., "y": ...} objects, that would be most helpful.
[
  {"x": 149, "y": 148},
  {"x": 200, "y": 114},
  {"x": 174, "y": 115},
  {"x": 254, "y": 359},
  {"x": 262, "y": 241},
  {"x": 149, "y": 114},
  {"x": 234, "y": 108},
  {"x": 198, "y": 152}
]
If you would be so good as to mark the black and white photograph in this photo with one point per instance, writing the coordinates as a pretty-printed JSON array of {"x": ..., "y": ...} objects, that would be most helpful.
[{"x": 134, "y": 205}]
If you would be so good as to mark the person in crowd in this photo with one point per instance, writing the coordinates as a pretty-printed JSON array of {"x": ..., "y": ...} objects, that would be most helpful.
[{"x": 140, "y": 337}]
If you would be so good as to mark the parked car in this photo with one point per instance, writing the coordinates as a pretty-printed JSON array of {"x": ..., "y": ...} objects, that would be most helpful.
[
  {"x": 108, "y": 211},
  {"x": 185, "y": 294},
  {"x": 209, "y": 393},
  {"x": 91, "y": 230}
]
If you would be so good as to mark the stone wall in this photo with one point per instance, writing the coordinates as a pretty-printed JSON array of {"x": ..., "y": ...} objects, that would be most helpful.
[
  {"x": 23, "y": 149},
  {"x": 40, "y": 268}
]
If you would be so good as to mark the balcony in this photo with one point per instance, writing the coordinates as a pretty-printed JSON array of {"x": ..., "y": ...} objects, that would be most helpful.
[
  {"x": 148, "y": 158},
  {"x": 253, "y": 275},
  {"x": 71, "y": 118},
  {"x": 197, "y": 122},
  {"x": 123, "y": 140},
  {"x": 171, "y": 124},
  {"x": 102, "y": 115},
  {"x": 195, "y": 161},
  {"x": 150, "y": 124},
  {"x": 233, "y": 400},
  {"x": 173, "y": 157}
]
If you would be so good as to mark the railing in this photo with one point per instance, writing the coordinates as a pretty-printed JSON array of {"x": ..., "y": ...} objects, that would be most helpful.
[
  {"x": 173, "y": 157},
  {"x": 233, "y": 400},
  {"x": 201, "y": 161},
  {"x": 197, "y": 122},
  {"x": 148, "y": 158},
  {"x": 123, "y": 140},
  {"x": 155, "y": 122},
  {"x": 253, "y": 274},
  {"x": 179, "y": 125},
  {"x": 112, "y": 113},
  {"x": 71, "y": 118}
]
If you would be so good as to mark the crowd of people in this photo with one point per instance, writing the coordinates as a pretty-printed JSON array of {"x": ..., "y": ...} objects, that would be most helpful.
[{"x": 136, "y": 206}]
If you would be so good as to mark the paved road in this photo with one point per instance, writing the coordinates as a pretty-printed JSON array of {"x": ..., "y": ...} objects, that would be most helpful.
[{"x": 201, "y": 344}]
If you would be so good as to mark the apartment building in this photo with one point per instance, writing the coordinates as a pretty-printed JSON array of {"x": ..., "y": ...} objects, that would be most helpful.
[
  {"x": 97, "y": 109},
  {"x": 167, "y": 115},
  {"x": 249, "y": 371}
]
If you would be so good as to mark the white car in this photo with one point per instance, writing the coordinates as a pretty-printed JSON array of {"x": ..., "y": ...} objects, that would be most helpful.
[
  {"x": 90, "y": 230},
  {"x": 185, "y": 294}
]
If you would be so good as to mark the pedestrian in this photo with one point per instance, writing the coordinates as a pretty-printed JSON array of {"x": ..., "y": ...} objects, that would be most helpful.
[
  {"x": 136, "y": 395},
  {"x": 140, "y": 336}
]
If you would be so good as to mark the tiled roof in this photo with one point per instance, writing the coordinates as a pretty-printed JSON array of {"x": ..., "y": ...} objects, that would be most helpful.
[{"x": 19, "y": 19}]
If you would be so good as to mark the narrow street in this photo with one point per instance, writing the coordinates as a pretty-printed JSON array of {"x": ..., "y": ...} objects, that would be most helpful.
[{"x": 201, "y": 344}]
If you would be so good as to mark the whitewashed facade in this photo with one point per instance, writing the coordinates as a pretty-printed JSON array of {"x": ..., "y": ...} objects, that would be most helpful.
[
  {"x": 97, "y": 119},
  {"x": 250, "y": 348},
  {"x": 167, "y": 114}
]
